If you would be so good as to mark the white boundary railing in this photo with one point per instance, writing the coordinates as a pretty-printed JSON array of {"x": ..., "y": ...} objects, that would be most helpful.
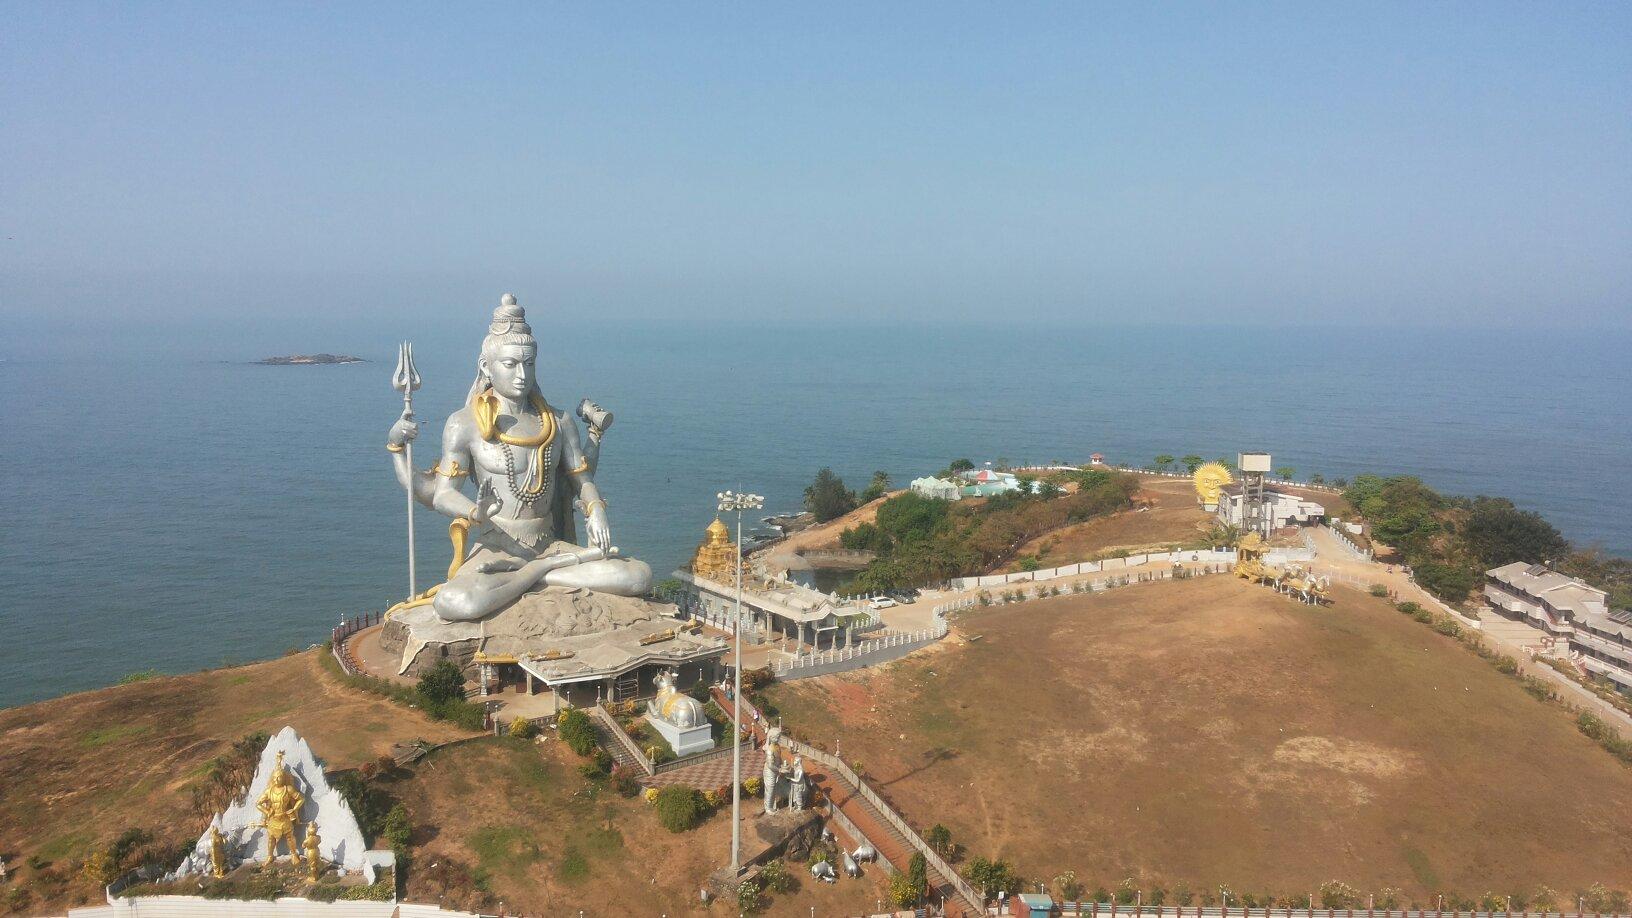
[
  {"x": 876, "y": 647},
  {"x": 1193, "y": 556}
]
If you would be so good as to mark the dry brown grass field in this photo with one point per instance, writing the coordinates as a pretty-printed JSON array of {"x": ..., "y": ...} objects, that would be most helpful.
[
  {"x": 1205, "y": 732},
  {"x": 552, "y": 842}
]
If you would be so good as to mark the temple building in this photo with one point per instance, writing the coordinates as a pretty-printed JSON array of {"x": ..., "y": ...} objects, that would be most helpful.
[
  {"x": 773, "y": 610},
  {"x": 716, "y": 557}
]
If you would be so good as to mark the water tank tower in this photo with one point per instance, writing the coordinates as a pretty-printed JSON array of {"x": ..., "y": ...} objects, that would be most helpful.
[{"x": 1254, "y": 509}]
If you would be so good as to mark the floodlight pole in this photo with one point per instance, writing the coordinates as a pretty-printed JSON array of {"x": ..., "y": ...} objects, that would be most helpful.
[{"x": 737, "y": 502}]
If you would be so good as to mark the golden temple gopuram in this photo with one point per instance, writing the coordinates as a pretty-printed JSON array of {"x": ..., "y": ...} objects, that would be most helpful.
[{"x": 716, "y": 558}]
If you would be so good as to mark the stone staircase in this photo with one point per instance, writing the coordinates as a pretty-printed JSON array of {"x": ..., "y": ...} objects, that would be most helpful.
[
  {"x": 616, "y": 742},
  {"x": 883, "y": 836}
]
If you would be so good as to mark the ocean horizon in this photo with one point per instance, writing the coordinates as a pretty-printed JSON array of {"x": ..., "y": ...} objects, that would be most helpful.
[{"x": 178, "y": 507}]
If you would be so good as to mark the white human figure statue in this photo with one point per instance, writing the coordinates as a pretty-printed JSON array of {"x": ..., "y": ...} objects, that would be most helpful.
[
  {"x": 768, "y": 776},
  {"x": 796, "y": 784}
]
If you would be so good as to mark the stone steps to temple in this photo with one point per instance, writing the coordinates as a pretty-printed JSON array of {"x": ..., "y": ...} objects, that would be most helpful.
[{"x": 614, "y": 745}]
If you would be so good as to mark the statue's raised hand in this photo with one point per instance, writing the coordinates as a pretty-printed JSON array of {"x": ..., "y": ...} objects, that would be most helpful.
[
  {"x": 487, "y": 503},
  {"x": 405, "y": 430}
]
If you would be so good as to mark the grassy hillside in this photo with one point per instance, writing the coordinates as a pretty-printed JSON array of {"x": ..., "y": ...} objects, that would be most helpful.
[
  {"x": 127, "y": 770},
  {"x": 80, "y": 771},
  {"x": 520, "y": 821},
  {"x": 1204, "y": 732}
]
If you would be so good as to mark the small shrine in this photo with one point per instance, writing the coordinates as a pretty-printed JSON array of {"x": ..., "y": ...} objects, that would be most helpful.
[{"x": 716, "y": 557}]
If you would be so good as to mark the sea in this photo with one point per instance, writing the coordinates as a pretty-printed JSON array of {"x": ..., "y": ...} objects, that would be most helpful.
[{"x": 170, "y": 505}]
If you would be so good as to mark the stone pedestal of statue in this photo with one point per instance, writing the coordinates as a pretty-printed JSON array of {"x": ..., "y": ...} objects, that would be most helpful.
[
  {"x": 575, "y": 629},
  {"x": 684, "y": 740},
  {"x": 785, "y": 833}
]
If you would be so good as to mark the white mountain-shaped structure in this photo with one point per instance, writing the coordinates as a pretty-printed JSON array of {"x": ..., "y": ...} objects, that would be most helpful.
[{"x": 341, "y": 840}]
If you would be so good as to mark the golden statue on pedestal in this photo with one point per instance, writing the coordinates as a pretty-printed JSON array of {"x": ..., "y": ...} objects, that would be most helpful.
[
  {"x": 314, "y": 861},
  {"x": 280, "y": 807},
  {"x": 218, "y": 852}
]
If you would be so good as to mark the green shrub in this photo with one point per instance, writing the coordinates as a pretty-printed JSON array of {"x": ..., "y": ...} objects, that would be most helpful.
[
  {"x": 679, "y": 808},
  {"x": 1445, "y": 625},
  {"x": 1409, "y": 608},
  {"x": 1378, "y": 590},
  {"x": 776, "y": 878},
  {"x": 397, "y": 830},
  {"x": 749, "y": 898},
  {"x": 369, "y": 804},
  {"x": 379, "y": 891},
  {"x": 522, "y": 728},
  {"x": 1538, "y": 687},
  {"x": 599, "y": 765},
  {"x": 576, "y": 731},
  {"x": 903, "y": 892},
  {"x": 441, "y": 683},
  {"x": 625, "y": 782}
]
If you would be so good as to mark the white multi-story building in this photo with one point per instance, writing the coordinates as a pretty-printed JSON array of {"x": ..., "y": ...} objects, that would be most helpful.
[
  {"x": 1571, "y": 612},
  {"x": 1280, "y": 507}
]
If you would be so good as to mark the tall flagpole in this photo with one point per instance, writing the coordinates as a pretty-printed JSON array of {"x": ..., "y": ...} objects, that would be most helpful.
[{"x": 406, "y": 380}]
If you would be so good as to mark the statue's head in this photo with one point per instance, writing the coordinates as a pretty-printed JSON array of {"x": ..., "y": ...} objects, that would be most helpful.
[{"x": 509, "y": 353}]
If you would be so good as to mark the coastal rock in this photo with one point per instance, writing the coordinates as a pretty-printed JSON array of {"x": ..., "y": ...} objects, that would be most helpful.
[
  {"x": 529, "y": 626},
  {"x": 306, "y": 360}
]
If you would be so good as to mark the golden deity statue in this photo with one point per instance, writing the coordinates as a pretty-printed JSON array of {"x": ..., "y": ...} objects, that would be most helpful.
[
  {"x": 314, "y": 861},
  {"x": 716, "y": 558},
  {"x": 280, "y": 807},
  {"x": 218, "y": 852}
]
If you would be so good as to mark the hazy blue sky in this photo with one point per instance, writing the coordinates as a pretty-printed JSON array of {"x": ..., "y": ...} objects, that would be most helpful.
[{"x": 1431, "y": 163}]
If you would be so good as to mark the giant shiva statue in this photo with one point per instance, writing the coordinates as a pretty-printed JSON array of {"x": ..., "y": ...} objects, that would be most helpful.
[{"x": 530, "y": 470}]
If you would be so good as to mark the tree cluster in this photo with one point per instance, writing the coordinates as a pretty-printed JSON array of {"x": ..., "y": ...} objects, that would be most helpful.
[
  {"x": 827, "y": 498},
  {"x": 920, "y": 540},
  {"x": 1450, "y": 541}
]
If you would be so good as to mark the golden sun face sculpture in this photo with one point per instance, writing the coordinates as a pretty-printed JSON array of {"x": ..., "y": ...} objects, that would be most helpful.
[{"x": 1210, "y": 480}]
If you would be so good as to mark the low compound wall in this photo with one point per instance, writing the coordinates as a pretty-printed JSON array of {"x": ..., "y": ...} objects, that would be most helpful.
[
  {"x": 1199, "y": 556},
  {"x": 197, "y": 907}
]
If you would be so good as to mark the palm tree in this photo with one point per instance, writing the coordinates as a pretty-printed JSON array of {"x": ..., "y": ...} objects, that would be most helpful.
[
  {"x": 1286, "y": 472},
  {"x": 1163, "y": 461},
  {"x": 1192, "y": 462}
]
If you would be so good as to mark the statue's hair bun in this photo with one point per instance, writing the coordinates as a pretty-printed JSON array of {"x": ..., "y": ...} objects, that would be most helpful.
[{"x": 509, "y": 318}]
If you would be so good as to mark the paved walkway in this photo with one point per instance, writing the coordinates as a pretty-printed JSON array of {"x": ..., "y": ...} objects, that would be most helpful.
[{"x": 715, "y": 772}]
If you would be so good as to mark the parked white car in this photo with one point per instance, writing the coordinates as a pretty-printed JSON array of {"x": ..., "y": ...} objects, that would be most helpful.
[{"x": 880, "y": 602}]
